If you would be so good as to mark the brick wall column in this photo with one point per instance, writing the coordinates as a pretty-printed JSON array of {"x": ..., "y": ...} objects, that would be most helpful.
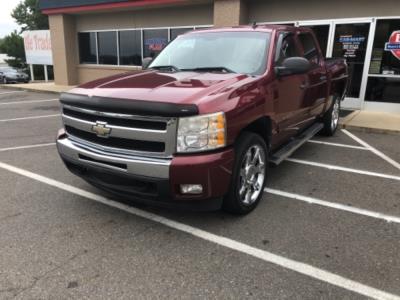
[
  {"x": 64, "y": 48},
  {"x": 230, "y": 13}
]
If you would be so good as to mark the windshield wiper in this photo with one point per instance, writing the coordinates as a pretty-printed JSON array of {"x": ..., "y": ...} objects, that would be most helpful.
[
  {"x": 205, "y": 69},
  {"x": 166, "y": 67}
]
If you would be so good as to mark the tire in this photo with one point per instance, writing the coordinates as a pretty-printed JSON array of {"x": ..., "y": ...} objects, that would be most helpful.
[
  {"x": 5, "y": 80},
  {"x": 247, "y": 176},
  {"x": 331, "y": 118}
]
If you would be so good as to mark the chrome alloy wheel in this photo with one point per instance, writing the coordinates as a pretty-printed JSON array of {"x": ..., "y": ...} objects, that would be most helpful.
[
  {"x": 252, "y": 175},
  {"x": 335, "y": 114}
]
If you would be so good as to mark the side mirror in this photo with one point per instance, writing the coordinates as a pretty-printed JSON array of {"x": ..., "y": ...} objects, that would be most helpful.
[
  {"x": 292, "y": 66},
  {"x": 146, "y": 62}
]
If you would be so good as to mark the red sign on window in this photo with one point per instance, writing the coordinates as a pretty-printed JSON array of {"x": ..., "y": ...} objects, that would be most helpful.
[{"x": 394, "y": 44}]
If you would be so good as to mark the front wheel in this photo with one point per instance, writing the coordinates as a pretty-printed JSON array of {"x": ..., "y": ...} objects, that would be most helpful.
[
  {"x": 331, "y": 118},
  {"x": 249, "y": 174}
]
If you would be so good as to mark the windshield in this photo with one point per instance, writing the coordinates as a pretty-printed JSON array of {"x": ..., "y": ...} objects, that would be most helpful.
[{"x": 239, "y": 52}]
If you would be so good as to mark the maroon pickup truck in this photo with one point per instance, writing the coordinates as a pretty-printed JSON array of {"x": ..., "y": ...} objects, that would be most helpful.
[{"x": 199, "y": 125}]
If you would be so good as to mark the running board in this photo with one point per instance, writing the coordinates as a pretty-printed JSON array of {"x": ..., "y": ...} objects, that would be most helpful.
[{"x": 294, "y": 144}]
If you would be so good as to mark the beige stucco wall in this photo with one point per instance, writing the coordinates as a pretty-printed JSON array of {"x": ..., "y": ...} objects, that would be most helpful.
[
  {"x": 295, "y": 10},
  {"x": 229, "y": 13},
  {"x": 91, "y": 72},
  {"x": 168, "y": 16},
  {"x": 64, "y": 48}
]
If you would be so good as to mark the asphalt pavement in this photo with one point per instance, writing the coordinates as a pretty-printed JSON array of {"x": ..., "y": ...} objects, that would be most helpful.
[{"x": 328, "y": 226}]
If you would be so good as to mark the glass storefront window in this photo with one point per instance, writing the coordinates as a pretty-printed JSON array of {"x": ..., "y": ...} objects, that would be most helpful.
[
  {"x": 384, "y": 61},
  {"x": 130, "y": 48},
  {"x": 154, "y": 40},
  {"x": 384, "y": 72},
  {"x": 107, "y": 43},
  {"x": 383, "y": 89},
  {"x": 132, "y": 45},
  {"x": 175, "y": 32},
  {"x": 87, "y": 47}
]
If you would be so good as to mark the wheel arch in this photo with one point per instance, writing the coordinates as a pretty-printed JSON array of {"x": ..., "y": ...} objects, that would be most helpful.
[{"x": 261, "y": 126}]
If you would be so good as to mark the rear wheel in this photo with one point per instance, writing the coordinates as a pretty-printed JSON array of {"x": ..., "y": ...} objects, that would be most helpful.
[
  {"x": 331, "y": 118},
  {"x": 249, "y": 174}
]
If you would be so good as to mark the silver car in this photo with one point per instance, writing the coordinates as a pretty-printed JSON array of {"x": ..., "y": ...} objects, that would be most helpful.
[{"x": 11, "y": 75}]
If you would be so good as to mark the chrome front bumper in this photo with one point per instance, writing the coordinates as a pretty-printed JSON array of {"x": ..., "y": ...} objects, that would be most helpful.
[{"x": 129, "y": 165}]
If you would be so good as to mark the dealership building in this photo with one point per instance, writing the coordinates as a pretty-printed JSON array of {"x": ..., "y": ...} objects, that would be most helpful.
[{"x": 97, "y": 38}]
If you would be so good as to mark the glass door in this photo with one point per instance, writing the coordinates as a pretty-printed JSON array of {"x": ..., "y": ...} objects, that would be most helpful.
[{"x": 350, "y": 41}]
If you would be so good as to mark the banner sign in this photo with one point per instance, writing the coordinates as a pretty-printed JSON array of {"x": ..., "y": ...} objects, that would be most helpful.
[
  {"x": 394, "y": 44},
  {"x": 38, "y": 47}
]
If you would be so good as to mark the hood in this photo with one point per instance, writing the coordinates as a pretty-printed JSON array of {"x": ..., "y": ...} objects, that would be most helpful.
[{"x": 178, "y": 87}]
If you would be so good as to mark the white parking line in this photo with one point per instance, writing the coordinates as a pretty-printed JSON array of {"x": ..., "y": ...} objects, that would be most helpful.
[
  {"x": 266, "y": 256},
  {"x": 26, "y": 147},
  {"x": 30, "y": 118},
  {"x": 27, "y": 102},
  {"x": 344, "y": 169},
  {"x": 355, "y": 210},
  {"x": 12, "y": 92},
  {"x": 372, "y": 149},
  {"x": 338, "y": 145}
]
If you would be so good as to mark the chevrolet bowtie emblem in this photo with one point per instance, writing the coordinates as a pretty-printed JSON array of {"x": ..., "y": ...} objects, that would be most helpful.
[{"x": 101, "y": 129}]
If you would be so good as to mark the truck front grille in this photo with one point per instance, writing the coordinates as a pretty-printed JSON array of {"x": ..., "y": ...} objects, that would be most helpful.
[
  {"x": 143, "y": 124},
  {"x": 126, "y": 134},
  {"x": 126, "y": 144}
]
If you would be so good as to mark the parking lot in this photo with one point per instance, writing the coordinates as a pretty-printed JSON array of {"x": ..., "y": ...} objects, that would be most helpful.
[{"x": 327, "y": 228}]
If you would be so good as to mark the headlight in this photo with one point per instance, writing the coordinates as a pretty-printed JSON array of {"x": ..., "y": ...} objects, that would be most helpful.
[{"x": 201, "y": 133}]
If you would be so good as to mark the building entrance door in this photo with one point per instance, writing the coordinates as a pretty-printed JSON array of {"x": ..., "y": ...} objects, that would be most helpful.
[
  {"x": 350, "y": 42},
  {"x": 347, "y": 39}
]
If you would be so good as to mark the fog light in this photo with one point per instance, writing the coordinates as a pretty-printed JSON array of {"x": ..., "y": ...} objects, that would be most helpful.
[{"x": 191, "y": 188}]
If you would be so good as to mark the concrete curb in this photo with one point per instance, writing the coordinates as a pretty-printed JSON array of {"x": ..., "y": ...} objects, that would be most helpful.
[
  {"x": 345, "y": 123},
  {"x": 28, "y": 89},
  {"x": 12, "y": 87},
  {"x": 370, "y": 129}
]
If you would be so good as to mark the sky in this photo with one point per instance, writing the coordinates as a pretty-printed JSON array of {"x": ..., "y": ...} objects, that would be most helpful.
[{"x": 7, "y": 23}]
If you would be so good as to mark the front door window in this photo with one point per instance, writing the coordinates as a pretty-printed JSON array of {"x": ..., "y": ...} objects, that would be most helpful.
[
  {"x": 351, "y": 43},
  {"x": 322, "y": 34}
]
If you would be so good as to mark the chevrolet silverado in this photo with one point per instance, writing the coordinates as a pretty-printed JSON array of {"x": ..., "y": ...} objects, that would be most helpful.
[{"x": 199, "y": 125}]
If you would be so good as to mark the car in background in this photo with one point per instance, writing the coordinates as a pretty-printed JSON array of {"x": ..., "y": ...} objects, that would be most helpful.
[{"x": 11, "y": 75}]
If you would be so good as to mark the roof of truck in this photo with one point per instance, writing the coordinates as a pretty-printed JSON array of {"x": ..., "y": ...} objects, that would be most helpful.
[{"x": 265, "y": 28}]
